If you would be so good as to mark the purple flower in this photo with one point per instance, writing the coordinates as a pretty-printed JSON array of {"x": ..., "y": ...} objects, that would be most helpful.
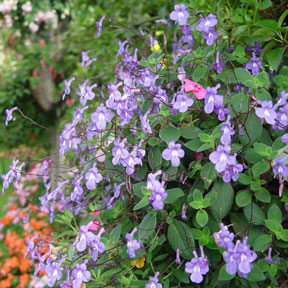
[
  {"x": 255, "y": 49},
  {"x": 221, "y": 111},
  {"x": 221, "y": 158},
  {"x": 268, "y": 258},
  {"x": 99, "y": 26},
  {"x": 183, "y": 102},
  {"x": 227, "y": 132},
  {"x": 210, "y": 37},
  {"x": 85, "y": 236},
  {"x": 238, "y": 87},
  {"x": 198, "y": 266},
  {"x": 280, "y": 168},
  {"x": 119, "y": 152},
  {"x": 266, "y": 111},
  {"x": 212, "y": 100},
  {"x": 154, "y": 282},
  {"x": 80, "y": 275},
  {"x": 282, "y": 118},
  {"x": 86, "y": 60},
  {"x": 32, "y": 249},
  {"x": 187, "y": 37},
  {"x": 173, "y": 153},
  {"x": 284, "y": 138},
  {"x": 93, "y": 177},
  {"x": 205, "y": 24},
  {"x": 101, "y": 117},
  {"x": 67, "y": 87},
  {"x": 180, "y": 14},
  {"x": 224, "y": 238},
  {"x": 183, "y": 212},
  {"x": 218, "y": 65},
  {"x": 254, "y": 64},
  {"x": 232, "y": 171},
  {"x": 132, "y": 244},
  {"x": 54, "y": 272},
  {"x": 85, "y": 92},
  {"x": 96, "y": 245},
  {"x": 178, "y": 260},
  {"x": 9, "y": 115}
]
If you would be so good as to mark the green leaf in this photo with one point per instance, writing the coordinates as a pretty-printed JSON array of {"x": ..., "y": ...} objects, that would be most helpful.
[
  {"x": 190, "y": 132},
  {"x": 275, "y": 214},
  {"x": 284, "y": 235},
  {"x": 260, "y": 168},
  {"x": 180, "y": 236},
  {"x": 243, "y": 76},
  {"x": 253, "y": 134},
  {"x": 115, "y": 235},
  {"x": 243, "y": 198},
  {"x": 256, "y": 274},
  {"x": 224, "y": 200},
  {"x": 224, "y": 276},
  {"x": 70, "y": 253},
  {"x": 269, "y": 24},
  {"x": 273, "y": 226},
  {"x": 137, "y": 189},
  {"x": 261, "y": 79},
  {"x": 169, "y": 133},
  {"x": 208, "y": 172},
  {"x": 202, "y": 217},
  {"x": 194, "y": 144},
  {"x": 256, "y": 214},
  {"x": 265, "y": 4},
  {"x": 147, "y": 226},
  {"x": 282, "y": 17},
  {"x": 262, "y": 149},
  {"x": 197, "y": 195},
  {"x": 143, "y": 202},
  {"x": 274, "y": 57},
  {"x": 173, "y": 195},
  {"x": 199, "y": 73},
  {"x": 181, "y": 276},
  {"x": 244, "y": 179},
  {"x": 205, "y": 146},
  {"x": 261, "y": 242},
  {"x": 205, "y": 137},
  {"x": 154, "y": 157},
  {"x": 263, "y": 195}
]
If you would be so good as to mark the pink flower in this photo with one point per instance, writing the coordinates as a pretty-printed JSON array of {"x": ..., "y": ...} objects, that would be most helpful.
[{"x": 194, "y": 87}]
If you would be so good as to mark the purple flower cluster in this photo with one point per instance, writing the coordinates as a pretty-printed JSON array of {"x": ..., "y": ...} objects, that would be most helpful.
[
  {"x": 13, "y": 175},
  {"x": 206, "y": 26},
  {"x": 180, "y": 15},
  {"x": 158, "y": 194},
  {"x": 132, "y": 244},
  {"x": 198, "y": 266},
  {"x": 239, "y": 256}
]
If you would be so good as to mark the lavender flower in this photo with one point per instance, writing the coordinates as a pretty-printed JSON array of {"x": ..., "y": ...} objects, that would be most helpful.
[
  {"x": 254, "y": 64},
  {"x": 178, "y": 260},
  {"x": 180, "y": 14},
  {"x": 9, "y": 115},
  {"x": 187, "y": 37},
  {"x": 198, "y": 266},
  {"x": 218, "y": 65},
  {"x": 221, "y": 158},
  {"x": 101, "y": 117},
  {"x": 96, "y": 245},
  {"x": 54, "y": 272},
  {"x": 67, "y": 87},
  {"x": 86, "y": 60},
  {"x": 80, "y": 275},
  {"x": 93, "y": 177},
  {"x": 227, "y": 132},
  {"x": 183, "y": 102},
  {"x": 85, "y": 236},
  {"x": 154, "y": 282},
  {"x": 99, "y": 26},
  {"x": 280, "y": 168},
  {"x": 132, "y": 244},
  {"x": 266, "y": 111},
  {"x": 224, "y": 238},
  {"x": 173, "y": 153},
  {"x": 268, "y": 258},
  {"x": 255, "y": 49},
  {"x": 119, "y": 152},
  {"x": 212, "y": 100},
  {"x": 206, "y": 26},
  {"x": 232, "y": 171}
]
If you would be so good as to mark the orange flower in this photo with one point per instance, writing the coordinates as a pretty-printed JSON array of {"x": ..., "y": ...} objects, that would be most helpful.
[
  {"x": 24, "y": 280},
  {"x": 12, "y": 207},
  {"x": 25, "y": 264},
  {"x": 5, "y": 283}
]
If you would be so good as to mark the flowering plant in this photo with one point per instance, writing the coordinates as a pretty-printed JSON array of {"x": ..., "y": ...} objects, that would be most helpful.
[{"x": 164, "y": 161}]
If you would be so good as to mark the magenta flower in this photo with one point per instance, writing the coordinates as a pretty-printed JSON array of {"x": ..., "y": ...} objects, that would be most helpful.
[{"x": 173, "y": 153}]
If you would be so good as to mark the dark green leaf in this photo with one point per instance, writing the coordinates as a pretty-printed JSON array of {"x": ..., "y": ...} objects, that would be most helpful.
[
  {"x": 260, "y": 168},
  {"x": 143, "y": 202},
  {"x": 261, "y": 242},
  {"x": 263, "y": 195},
  {"x": 181, "y": 276},
  {"x": 202, "y": 217},
  {"x": 180, "y": 236},
  {"x": 224, "y": 276},
  {"x": 275, "y": 214},
  {"x": 274, "y": 57},
  {"x": 224, "y": 201},
  {"x": 243, "y": 76},
  {"x": 256, "y": 214},
  {"x": 243, "y": 198},
  {"x": 173, "y": 195},
  {"x": 154, "y": 157},
  {"x": 147, "y": 226},
  {"x": 199, "y": 73},
  {"x": 169, "y": 133}
]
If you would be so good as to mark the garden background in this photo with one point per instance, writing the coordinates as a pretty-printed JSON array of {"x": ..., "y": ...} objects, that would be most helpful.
[{"x": 42, "y": 44}]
